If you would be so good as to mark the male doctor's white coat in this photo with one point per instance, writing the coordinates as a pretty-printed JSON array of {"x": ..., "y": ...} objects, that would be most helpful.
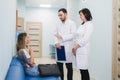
[
  {"x": 82, "y": 36},
  {"x": 67, "y": 31}
]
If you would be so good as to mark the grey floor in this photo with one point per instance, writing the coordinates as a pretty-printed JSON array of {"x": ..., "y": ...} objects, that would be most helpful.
[{"x": 48, "y": 60}]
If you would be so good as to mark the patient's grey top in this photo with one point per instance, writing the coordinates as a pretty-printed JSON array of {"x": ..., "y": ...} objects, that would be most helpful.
[{"x": 24, "y": 56}]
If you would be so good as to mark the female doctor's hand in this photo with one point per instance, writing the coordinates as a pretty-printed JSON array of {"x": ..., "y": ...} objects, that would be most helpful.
[
  {"x": 74, "y": 51},
  {"x": 76, "y": 46}
]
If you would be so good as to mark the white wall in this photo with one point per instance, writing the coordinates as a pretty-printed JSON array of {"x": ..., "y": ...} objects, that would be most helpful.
[
  {"x": 7, "y": 34},
  {"x": 48, "y": 17},
  {"x": 73, "y": 9},
  {"x": 21, "y": 8},
  {"x": 100, "y": 61}
]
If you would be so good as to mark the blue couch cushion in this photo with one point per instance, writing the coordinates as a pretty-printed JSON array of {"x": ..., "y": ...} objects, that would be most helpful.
[
  {"x": 42, "y": 78},
  {"x": 16, "y": 72}
]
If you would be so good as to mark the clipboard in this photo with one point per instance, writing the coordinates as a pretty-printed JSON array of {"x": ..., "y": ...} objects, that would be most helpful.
[{"x": 61, "y": 54}]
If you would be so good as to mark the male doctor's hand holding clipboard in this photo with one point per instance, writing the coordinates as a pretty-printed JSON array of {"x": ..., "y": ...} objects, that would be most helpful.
[
  {"x": 61, "y": 54},
  {"x": 60, "y": 50}
]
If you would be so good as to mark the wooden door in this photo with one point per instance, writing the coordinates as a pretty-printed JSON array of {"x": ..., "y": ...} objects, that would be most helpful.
[
  {"x": 116, "y": 41},
  {"x": 34, "y": 30}
]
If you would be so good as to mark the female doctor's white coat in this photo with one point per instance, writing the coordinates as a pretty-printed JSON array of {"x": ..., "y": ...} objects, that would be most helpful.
[
  {"x": 82, "y": 36},
  {"x": 67, "y": 31}
]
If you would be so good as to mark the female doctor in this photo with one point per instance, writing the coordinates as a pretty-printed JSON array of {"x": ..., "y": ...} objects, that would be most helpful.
[{"x": 82, "y": 43}]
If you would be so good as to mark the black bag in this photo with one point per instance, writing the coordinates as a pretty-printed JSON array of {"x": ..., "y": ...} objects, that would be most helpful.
[{"x": 48, "y": 70}]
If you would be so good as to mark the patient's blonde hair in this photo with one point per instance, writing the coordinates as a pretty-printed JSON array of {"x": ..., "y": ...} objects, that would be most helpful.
[{"x": 21, "y": 41}]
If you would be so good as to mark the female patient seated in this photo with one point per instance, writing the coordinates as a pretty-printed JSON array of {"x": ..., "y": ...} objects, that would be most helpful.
[{"x": 25, "y": 54}]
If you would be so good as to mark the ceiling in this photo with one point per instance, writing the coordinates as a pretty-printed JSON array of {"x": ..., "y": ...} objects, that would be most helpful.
[{"x": 54, "y": 3}]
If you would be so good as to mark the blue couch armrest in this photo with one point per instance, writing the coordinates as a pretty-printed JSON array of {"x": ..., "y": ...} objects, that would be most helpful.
[{"x": 16, "y": 70}]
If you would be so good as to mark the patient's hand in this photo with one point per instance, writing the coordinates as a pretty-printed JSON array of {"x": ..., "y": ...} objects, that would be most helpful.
[{"x": 30, "y": 50}]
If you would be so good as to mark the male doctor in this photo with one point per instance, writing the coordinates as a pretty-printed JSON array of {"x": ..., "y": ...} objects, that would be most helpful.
[{"x": 63, "y": 35}]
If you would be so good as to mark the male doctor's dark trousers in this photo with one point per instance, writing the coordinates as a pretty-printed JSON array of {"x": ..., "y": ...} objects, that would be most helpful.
[{"x": 69, "y": 70}]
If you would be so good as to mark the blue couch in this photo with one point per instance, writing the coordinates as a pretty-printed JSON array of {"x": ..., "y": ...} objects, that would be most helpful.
[{"x": 16, "y": 72}]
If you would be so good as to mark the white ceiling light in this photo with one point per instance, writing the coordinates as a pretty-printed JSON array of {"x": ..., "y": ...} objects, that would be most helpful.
[{"x": 45, "y": 5}]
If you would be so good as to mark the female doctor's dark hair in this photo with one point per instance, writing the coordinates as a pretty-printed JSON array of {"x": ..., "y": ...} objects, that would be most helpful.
[{"x": 86, "y": 12}]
